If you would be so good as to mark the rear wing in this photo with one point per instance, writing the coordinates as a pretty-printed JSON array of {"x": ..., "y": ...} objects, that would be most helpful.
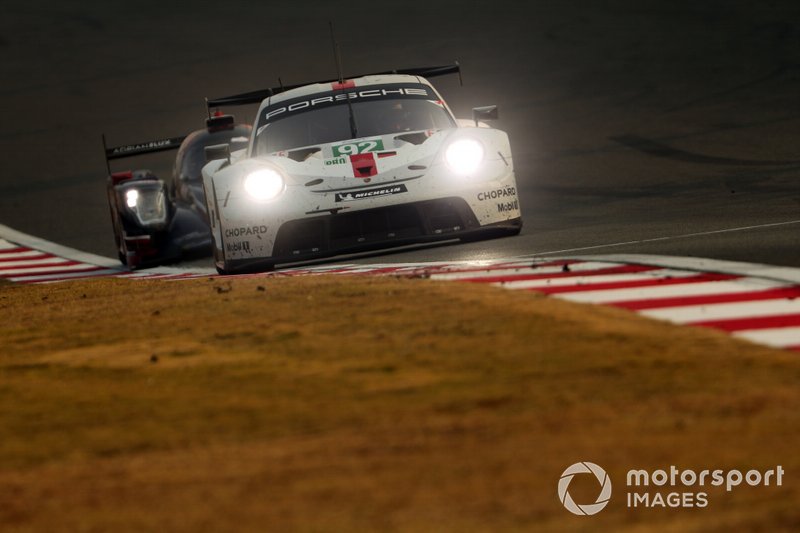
[
  {"x": 213, "y": 123},
  {"x": 148, "y": 147},
  {"x": 132, "y": 150},
  {"x": 256, "y": 97}
]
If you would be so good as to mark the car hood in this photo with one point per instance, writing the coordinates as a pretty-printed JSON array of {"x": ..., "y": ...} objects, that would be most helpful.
[{"x": 362, "y": 162}]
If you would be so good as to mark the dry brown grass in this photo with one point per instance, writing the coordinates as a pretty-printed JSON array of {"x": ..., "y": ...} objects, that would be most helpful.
[{"x": 342, "y": 404}]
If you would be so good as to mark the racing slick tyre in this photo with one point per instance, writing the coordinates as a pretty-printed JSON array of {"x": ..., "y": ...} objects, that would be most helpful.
[
  {"x": 263, "y": 267},
  {"x": 493, "y": 233}
]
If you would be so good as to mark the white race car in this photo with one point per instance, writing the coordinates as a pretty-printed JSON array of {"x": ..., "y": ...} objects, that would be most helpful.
[{"x": 370, "y": 162}]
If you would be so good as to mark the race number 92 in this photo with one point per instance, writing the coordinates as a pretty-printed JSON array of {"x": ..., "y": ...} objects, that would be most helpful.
[{"x": 358, "y": 148}]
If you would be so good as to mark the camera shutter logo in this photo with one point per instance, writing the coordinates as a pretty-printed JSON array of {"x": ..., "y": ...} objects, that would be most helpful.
[{"x": 590, "y": 508}]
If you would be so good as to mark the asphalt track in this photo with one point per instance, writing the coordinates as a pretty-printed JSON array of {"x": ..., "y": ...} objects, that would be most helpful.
[{"x": 651, "y": 127}]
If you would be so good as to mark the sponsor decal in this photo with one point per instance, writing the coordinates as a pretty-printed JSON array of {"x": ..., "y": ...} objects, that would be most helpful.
[
  {"x": 143, "y": 146},
  {"x": 238, "y": 247},
  {"x": 360, "y": 147},
  {"x": 508, "y": 206},
  {"x": 245, "y": 231},
  {"x": 370, "y": 193},
  {"x": 498, "y": 193},
  {"x": 373, "y": 92},
  {"x": 336, "y": 161}
]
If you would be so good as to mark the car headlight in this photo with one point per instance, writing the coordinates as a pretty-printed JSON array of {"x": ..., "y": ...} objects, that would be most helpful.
[
  {"x": 144, "y": 203},
  {"x": 132, "y": 198},
  {"x": 264, "y": 184},
  {"x": 463, "y": 156}
]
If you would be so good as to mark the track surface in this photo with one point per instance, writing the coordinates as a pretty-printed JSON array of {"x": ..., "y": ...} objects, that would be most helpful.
[
  {"x": 672, "y": 128},
  {"x": 755, "y": 302}
]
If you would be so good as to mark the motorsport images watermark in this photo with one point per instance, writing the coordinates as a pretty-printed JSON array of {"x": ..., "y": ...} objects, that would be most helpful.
[
  {"x": 589, "y": 508},
  {"x": 644, "y": 487}
]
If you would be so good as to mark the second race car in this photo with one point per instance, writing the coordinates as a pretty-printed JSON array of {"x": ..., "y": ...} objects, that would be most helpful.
[{"x": 159, "y": 221}]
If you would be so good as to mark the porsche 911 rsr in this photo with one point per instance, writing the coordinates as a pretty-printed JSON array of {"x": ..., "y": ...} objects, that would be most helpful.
[{"x": 358, "y": 164}]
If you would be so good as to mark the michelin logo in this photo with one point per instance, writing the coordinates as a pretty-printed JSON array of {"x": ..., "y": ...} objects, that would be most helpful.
[{"x": 369, "y": 193}]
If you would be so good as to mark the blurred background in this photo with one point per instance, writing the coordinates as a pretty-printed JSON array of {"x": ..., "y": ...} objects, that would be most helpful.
[{"x": 629, "y": 120}]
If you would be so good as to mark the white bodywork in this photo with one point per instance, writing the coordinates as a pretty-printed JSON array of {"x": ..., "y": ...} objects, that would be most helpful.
[{"x": 325, "y": 184}]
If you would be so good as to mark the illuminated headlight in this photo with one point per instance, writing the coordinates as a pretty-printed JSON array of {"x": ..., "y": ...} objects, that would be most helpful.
[
  {"x": 463, "y": 156},
  {"x": 131, "y": 197},
  {"x": 264, "y": 184},
  {"x": 147, "y": 203}
]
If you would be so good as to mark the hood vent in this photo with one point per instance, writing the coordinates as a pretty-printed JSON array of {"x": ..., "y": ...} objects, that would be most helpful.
[
  {"x": 303, "y": 154},
  {"x": 413, "y": 138}
]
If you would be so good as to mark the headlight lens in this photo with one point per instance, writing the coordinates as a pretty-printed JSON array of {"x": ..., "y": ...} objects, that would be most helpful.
[
  {"x": 147, "y": 203},
  {"x": 463, "y": 156},
  {"x": 131, "y": 197},
  {"x": 264, "y": 184}
]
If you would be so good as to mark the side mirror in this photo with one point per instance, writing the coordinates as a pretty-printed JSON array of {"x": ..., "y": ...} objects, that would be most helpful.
[
  {"x": 488, "y": 112},
  {"x": 220, "y": 122},
  {"x": 218, "y": 151}
]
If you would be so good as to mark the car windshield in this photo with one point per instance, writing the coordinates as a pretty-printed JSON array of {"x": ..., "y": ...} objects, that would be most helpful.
[{"x": 327, "y": 124}]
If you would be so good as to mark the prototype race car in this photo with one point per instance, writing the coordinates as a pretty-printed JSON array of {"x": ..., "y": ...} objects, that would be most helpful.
[
  {"x": 356, "y": 164},
  {"x": 156, "y": 221}
]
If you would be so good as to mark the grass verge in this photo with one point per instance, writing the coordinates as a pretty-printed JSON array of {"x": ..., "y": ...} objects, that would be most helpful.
[{"x": 338, "y": 403}]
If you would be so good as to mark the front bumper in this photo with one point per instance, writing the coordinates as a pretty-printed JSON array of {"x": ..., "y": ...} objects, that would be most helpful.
[
  {"x": 370, "y": 229},
  {"x": 336, "y": 215},
  {"x": 186, "y": 236}
]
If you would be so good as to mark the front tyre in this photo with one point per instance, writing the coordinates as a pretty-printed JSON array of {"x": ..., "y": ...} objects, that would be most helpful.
[
  {"x": 493, "y": 233},
  {"x": 225, "y": 270}
]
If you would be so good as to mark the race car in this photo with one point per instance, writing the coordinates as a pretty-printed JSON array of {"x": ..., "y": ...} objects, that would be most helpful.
[
  {"x": 356, "y": 164},
  {"x": 156, "y": 221}
]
